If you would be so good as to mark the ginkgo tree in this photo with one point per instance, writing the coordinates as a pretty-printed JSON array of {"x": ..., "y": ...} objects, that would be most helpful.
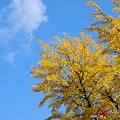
[{"x": 82, "y": 75}]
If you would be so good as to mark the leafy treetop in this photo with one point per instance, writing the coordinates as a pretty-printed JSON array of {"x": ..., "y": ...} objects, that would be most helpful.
[{"x": 82, "y": 75}]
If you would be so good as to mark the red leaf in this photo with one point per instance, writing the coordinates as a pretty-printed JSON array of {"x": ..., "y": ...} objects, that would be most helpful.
[{"x": 103, "y": 113}]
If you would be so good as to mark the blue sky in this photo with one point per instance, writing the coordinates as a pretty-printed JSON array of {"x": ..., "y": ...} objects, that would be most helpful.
[{"x": 22, "y": 23}]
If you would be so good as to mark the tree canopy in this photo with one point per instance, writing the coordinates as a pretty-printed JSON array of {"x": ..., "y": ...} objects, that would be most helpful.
[{"x": 81, "y": 74}]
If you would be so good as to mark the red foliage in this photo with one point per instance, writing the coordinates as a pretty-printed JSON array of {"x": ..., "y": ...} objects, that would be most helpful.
[{"x": 103, "y": 113}]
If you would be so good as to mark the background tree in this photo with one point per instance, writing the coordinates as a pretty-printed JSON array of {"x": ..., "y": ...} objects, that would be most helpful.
[{"x": 82, "y": 75}]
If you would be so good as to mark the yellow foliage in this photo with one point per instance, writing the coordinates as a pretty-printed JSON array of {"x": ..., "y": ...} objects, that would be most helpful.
[
  {"x": 117, "y": 9},
  {"x": 82, "y": 79},
  {"x": 93, "y": 4}
]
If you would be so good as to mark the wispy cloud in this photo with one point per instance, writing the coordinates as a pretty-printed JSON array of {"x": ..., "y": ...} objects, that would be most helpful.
[
  {"x": 26, "y": 14},
  {"x": 9, "y": 57},
  {"x": 18, "y": 21}
]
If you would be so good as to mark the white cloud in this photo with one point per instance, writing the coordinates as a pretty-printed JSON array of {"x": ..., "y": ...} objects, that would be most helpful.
[
  {"x": 18, "y": 20},
  {"x": 26, "y": 14},
  {"x": 9, "y": 57},
  {"x": 5, "y": 35}
]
